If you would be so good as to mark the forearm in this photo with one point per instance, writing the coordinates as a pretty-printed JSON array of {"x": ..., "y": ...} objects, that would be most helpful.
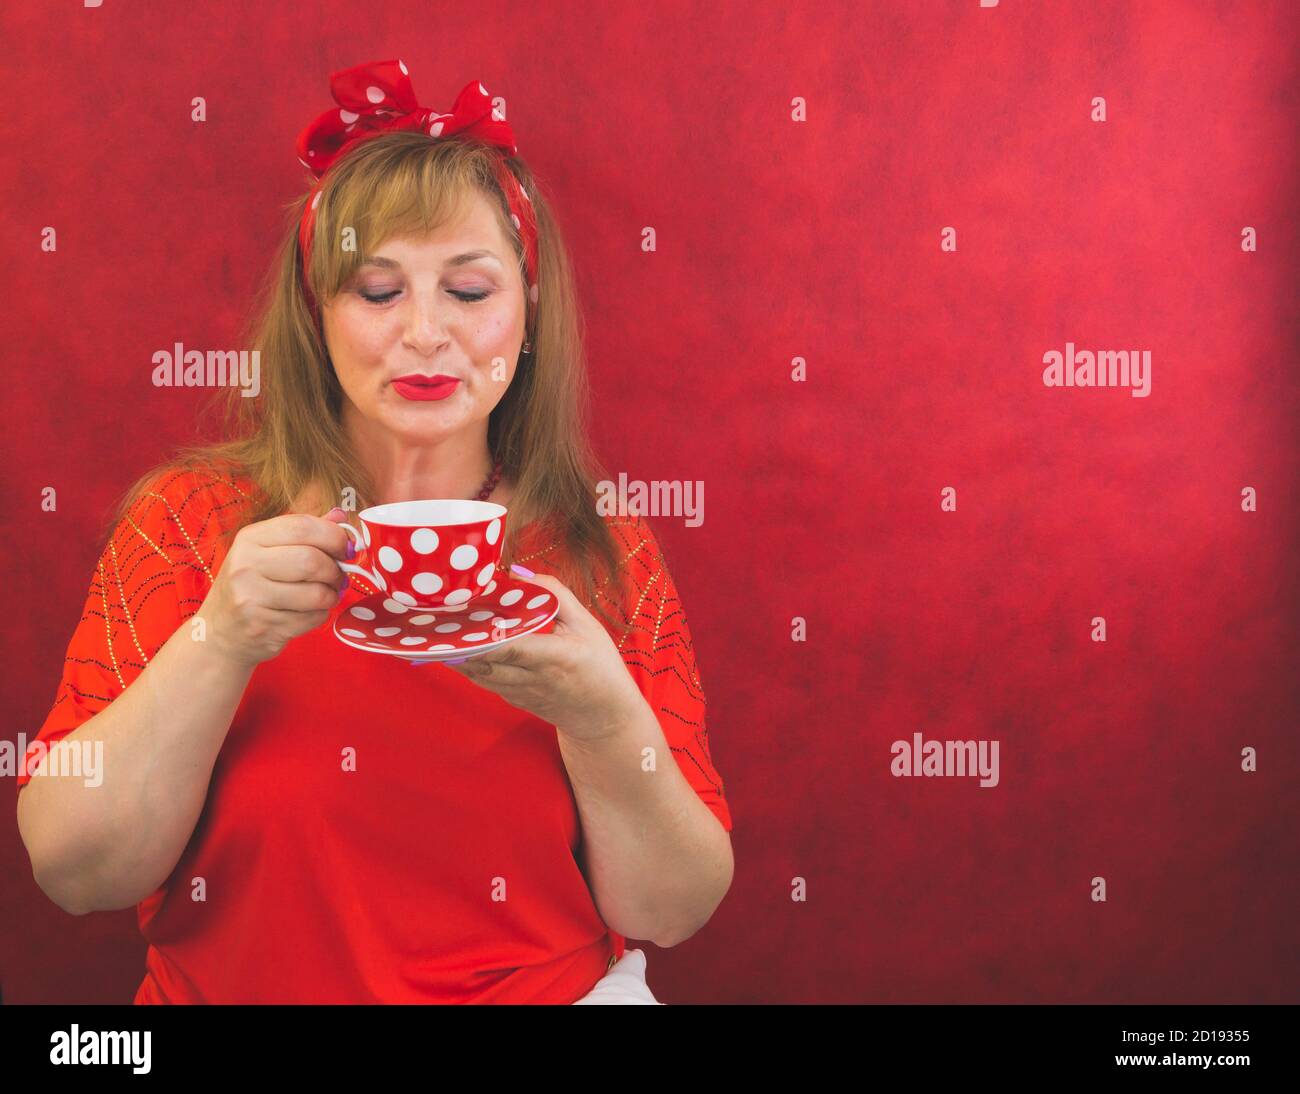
[
  {"x": 106, "y": 845},
  {"x": 657, "y": 860}
]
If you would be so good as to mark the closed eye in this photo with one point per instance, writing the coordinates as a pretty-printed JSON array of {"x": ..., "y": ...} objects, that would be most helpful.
[{"x": 466, "y": 297}]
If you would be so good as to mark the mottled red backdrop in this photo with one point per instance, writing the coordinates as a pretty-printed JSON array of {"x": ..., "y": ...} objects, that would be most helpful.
[{"x": 778, "y": 239}]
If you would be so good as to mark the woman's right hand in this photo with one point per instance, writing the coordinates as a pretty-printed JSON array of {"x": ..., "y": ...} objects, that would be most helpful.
[{"x": 279, "y": 580}]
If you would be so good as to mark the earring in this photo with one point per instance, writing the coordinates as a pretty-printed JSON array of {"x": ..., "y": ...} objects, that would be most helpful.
[{"x": 527, "y": 347}]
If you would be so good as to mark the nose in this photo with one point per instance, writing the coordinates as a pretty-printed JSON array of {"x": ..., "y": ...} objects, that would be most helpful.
[{"x": 426, "y": 322}]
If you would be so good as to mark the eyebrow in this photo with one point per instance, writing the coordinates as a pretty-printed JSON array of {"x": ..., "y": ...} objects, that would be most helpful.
[{"x": 458, "y": 260}]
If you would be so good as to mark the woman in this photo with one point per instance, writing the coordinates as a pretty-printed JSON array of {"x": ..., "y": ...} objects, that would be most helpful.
[{"x": 301, "y": 821}]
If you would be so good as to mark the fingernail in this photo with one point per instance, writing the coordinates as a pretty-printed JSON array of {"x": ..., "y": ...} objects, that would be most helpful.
[
  {"x": 352, "y": 550},
  {"x": 335, "y": 512},
  {"x": 458, "y": 661},
  {"x": 522, "y": 571}
]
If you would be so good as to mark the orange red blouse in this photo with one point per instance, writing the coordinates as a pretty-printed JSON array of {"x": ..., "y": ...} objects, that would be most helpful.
[{"x": 445, "y": 867}]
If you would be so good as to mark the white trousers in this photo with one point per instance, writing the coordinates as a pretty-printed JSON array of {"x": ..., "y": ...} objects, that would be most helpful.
[{"x": 624, "y": 983}]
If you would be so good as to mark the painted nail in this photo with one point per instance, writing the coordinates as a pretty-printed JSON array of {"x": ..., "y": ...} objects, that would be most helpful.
[
  {"x": 352, "y": 550},
  {"x": 522, "y": 571},
  {"x": 458, "y": 661}
]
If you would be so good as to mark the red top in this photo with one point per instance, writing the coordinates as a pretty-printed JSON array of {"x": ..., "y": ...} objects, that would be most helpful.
[{"x": 326, "y": 885}]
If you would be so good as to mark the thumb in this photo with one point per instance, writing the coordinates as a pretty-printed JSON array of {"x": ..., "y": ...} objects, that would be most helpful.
[{"x": 571, "y": 610}]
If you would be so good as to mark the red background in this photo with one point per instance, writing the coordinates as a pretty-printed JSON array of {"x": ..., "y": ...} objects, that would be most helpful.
[{"x": 778, "y": 239}]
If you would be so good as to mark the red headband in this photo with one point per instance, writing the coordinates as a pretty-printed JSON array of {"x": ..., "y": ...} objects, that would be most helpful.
[{"x": 377, "y": 98}]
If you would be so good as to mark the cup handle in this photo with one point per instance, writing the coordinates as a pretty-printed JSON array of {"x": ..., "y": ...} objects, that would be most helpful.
[{"x": 352, "y": 568}]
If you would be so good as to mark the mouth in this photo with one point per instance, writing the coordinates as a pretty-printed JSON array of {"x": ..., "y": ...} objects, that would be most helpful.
[
  {"x": 421, "y": 380},
  {"x": 420, "y": 388}
]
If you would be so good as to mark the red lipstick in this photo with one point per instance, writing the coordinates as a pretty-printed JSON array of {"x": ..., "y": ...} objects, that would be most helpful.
[{"x": 422, "y": 388}]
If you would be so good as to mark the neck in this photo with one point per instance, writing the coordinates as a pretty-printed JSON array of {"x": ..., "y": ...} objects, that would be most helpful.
[{"x": 453, "y": 467}]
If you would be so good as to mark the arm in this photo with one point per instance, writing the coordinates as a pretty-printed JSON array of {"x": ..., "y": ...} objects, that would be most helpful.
[
  {"x": 658, "y": 861},
  {"x": 108, "y": 846}
]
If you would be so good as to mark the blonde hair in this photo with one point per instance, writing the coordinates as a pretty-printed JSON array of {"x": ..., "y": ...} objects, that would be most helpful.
[{"x": 290, "y": 436}]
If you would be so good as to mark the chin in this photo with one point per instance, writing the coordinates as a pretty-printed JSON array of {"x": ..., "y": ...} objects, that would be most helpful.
[{"x": 419, "y": 420}]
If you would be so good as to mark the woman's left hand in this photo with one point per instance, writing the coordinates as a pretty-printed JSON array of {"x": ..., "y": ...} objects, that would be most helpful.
[{"x": 572, "y": 677}]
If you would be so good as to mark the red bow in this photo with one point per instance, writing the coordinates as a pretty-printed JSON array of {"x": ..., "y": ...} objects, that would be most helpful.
[{"x": 378, "y": 97}]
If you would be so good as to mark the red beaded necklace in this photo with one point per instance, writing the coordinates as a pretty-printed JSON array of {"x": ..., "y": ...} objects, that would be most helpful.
[{"x": 490, "y": 483}]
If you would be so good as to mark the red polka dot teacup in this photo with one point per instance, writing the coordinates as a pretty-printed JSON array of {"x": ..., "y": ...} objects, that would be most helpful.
[{"x": 429, "y": 554}]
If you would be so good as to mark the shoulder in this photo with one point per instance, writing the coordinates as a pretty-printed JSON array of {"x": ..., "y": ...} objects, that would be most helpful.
[
  {"x": 640, "y": 550},
  {"x": 643, "y": 592},
  {"x": 194, "y": 492},
  {"x": 181, "y": 511}
]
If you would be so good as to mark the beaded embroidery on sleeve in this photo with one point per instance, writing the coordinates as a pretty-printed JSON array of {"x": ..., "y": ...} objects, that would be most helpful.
[
  {"x": 151, "y": 575},
  {"x": 656, "y": 646}
]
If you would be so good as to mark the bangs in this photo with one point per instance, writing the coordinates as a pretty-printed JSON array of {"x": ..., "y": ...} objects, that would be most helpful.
[{"x": 396, "y": 186}]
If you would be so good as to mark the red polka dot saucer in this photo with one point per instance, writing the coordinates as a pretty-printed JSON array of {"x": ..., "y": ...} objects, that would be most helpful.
[{"x": 506, "y": 609}]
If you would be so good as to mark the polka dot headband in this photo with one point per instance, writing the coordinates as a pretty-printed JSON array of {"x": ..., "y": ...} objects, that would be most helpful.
[{"x": 378, "y": 98}]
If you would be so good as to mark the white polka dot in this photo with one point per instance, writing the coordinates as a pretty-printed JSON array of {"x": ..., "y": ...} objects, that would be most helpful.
[
  {"x": 477, "y": 636},
  {"x": 316, "y": 200},
  {"x": 493, "y": 530},
  {"x": 402, "y": 66},
  {"x": 347, "y": 117},
  {"x": 424, "y": 541},
  {"x": 351, "y": 633},
  {"x": 415, "y": 640},
  {"x": 427, "y": 584},
  {"x": 394, "y": 608},
  {"x": 489, "y": 588},
  {"x": 536, "y": 619},
  {"x": 538, "y": 601},
  {"x": 458, "y": 596},
  {"x": 389, "y": 559},
  {"x": 481, "y": 615},
  {"x": 387, "y": 631},
  {"x": 515, "y": 220},
  {"x": 421, "y": 620},
  {"x": 435, "y": 130},
  {"x": 482, "y": 89},
  {"x": 485, "y": 574},
  {"x": 509, "y": 598},
  {"x": 447, "y": 628},
  {"x": 362, "y": 613},
  {"x": 443, "y": 646},
  {"x": 365, "y": 533},
  {"x": 406, "y": 598},
  {"x": 506, "y": 624},
  {"x": 464, "y": 556},
  {"x": 524, "y": 192},
  {"x": 374, "y": 94}
]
